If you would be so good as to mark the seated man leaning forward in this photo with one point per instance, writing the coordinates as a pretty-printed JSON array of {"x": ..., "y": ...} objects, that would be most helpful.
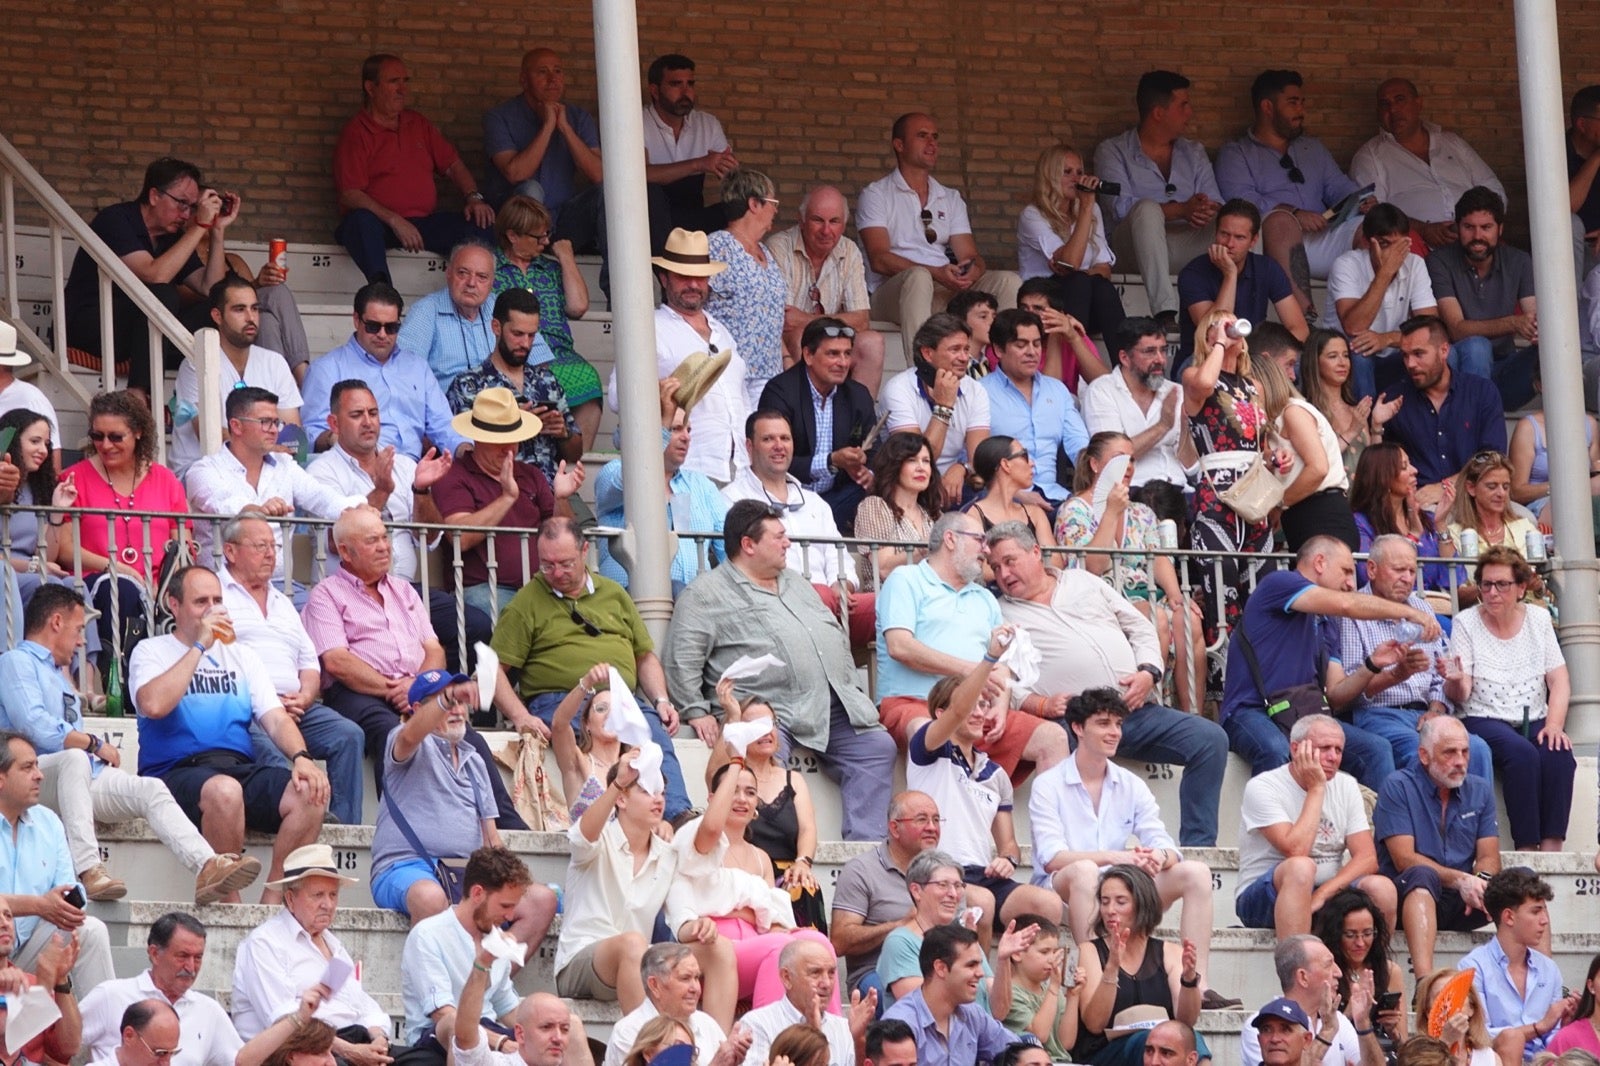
[
  {"x": 196, "y": 697},
  {"x": 437, "y": 805},
  {"x": 1083, "y": 812},
  {"x": 82, "y": 773},
  {"x": 1303, "y": 836},
  {"x": 754, "y": 605},
  {"x": 1281, "y": 650},
  {"x": 562, "y": 622},
  {"x": 548, "y": 1033},
  {"x": 934, "y": 620},
  {"x": 292, "y": 950}
]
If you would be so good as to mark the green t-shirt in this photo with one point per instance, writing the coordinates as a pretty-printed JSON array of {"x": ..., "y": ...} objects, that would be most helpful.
[
  {"x": 544, "y": 635},
  {"x": 1025, "y": 1007}
]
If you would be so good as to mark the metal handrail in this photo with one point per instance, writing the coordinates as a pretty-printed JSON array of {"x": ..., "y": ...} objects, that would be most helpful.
[{"x": 15, "y": 170}]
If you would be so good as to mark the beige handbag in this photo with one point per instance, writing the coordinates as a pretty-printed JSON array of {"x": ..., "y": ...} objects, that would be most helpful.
[
  {"x": 531, "y": 792},
  {"x": 1254, "y": 493}
]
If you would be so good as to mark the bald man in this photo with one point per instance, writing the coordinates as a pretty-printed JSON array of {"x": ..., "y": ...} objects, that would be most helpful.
[
  {"x": 149, "y": 1035},
  {"x": 810, "y": 974},
  {"x": 546, "y": 1032},
  {"x": 537, "y": 144}
]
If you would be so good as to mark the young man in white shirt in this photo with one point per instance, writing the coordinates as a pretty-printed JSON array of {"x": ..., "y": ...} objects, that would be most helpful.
[
  {"x": 936, "y": 398},
  {"x": 1372, "y": 290}
]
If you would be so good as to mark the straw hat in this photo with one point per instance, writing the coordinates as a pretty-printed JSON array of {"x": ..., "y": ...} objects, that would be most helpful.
[
  {"x": 688, "y": 252},
  {"x": 312, "y": 860},
  {"x": 9, "y": 356},
  {"x": 495, "y": 418},
  {"x": 696, "y": 374}
]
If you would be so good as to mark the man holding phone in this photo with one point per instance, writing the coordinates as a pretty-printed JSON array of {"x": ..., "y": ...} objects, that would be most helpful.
[{"x": 44, "y": 893}]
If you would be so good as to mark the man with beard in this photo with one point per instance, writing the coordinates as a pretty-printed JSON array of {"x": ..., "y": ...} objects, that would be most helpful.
[
  {"x": 440, "y": 952},
  {"x": 1292, "y": 179},
  {"x": 437, "y": 805},
  {"x": 681, "y": 146},
  {"x": 684, "y": 328},
  {"x": 176, "y": 945},
  {"x": 1137, "y": 400},
  {"x": 236, "y": 313},
  {"x": 1037, "y": 411},
  {"x": 934, "y": 620},
  {"x": 512, "y": 364},
  {"x": 1485, "y": 293}
]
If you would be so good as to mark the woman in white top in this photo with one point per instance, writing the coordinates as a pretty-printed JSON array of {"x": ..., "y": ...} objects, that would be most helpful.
[
  {"x": 1316, "y": 490},
  {"x": 1061, "y": 235},
  {"x": 724, "y": 889},
  {"x": 1508, "y": 680}
]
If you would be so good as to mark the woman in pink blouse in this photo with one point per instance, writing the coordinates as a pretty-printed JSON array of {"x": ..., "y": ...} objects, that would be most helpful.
[{"x": 122, "y": 554}]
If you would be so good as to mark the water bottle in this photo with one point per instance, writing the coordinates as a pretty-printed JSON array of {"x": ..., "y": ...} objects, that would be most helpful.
[
  {"x": 1407, "y": 632},
  {"x": 1167, "y": 534},
  {"x": 1535, "y": 541}
]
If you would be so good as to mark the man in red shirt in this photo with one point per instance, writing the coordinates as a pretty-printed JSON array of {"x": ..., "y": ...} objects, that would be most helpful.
[{"x": 383, "y": 167}]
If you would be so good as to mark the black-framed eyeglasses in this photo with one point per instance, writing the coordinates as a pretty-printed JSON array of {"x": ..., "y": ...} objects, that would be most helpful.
[
  {"x": 838, "y": 331},
  {"x": 1295, "y": 174},
  {"x": 274, "y": 424},
  {"x": 545, "y": 236},
  {"x": 186, "y": 207},
  {"x": 1498, "y": 586},
  {"x": 579, "y": 620},
  {"x": 928, "y": 232},
  {"x": 375, "y": 328}
]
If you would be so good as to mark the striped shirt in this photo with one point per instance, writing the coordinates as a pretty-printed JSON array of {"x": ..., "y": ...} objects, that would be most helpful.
[{"x": 1358, "y": 639}]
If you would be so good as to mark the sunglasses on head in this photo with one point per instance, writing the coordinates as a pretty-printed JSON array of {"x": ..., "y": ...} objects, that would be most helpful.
[
  {"x": 838, "y": 331},
  {"x": 1295, "y": 174},
  {"x": 99, "y": 435},
  {"x": 374, "y": 328}
]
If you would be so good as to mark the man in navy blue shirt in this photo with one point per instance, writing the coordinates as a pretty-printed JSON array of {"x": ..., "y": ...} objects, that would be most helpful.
[
  {"x": 1293, "y": 644},
  {"x": 1230, "y": 277},
  {"x": 1438, "y": 837},
  {"x": 1445, "y": 418}
]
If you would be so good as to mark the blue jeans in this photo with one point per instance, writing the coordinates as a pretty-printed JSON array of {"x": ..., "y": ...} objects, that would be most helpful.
[
  {"x": 543, "y": 707},
  {"x": 1251, "y": 734},
  {"x": 336, "y": 740},
  {"x": 1386, "y": 368},
  {"x": 1162, "y": 734},
  {"x": 366, "y": 237},
  {"x": 1398, "y": 726},
  {"x": 1512, "y": 374}
]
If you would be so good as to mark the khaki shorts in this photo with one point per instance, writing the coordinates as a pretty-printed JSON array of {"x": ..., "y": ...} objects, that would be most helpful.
[{"x": 578, "y": 979}]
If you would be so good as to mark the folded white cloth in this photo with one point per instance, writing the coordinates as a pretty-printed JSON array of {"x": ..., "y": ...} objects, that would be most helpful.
[
  {"x": 488, "y": 674},
  {"x": 748, "y": 666},
  {"x": 627, "y": 722},
  {"x": 1022, "y": 659},
  {"x": 740, "y": 735},
  {"x": 500, "y": 944}
]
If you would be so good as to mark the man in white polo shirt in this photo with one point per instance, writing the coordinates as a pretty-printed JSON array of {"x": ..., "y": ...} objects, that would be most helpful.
[
  {"x": 935, "y": 397},
  {"x": 917, "y": 235}
]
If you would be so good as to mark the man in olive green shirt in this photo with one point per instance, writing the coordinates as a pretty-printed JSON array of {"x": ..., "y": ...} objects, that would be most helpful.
[{"x": 563, "y": 622}]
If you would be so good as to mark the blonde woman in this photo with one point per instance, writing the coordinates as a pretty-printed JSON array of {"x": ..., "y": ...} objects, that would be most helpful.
[
  {"x": 1061, "y": 236},
  {"x": 1315, "y": 494}
]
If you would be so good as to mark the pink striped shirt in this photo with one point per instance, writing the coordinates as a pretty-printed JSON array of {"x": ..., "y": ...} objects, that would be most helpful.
[{"x": 386, "y": 636}]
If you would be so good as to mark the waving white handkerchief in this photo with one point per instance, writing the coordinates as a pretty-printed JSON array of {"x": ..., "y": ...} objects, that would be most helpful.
[
  {"x": 748, "y": 666},
  {"x": 1022, "y": 659},
  {"x": 28, "y": 1015},
  {"x": 740, "y": 735},
  {"x": 1110, "y": 476},
  {"x": 499, "y": 943},
  {"x": 488, "y": 671},
  {"x": 626, "y": 719},
  {"x": 649, "y": 766}
]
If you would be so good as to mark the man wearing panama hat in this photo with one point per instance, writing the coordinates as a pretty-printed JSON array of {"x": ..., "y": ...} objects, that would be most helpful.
[
  {"x": 488, "y": 486},
  {"x": 695, "y": 348},
  {"x": 295, "y": 949}
]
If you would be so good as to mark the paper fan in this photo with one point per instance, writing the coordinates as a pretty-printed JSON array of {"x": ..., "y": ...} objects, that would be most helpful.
[{"x": 1452, "y": 996}]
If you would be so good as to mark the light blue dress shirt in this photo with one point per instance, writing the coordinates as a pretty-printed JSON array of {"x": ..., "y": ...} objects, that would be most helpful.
[
  {"x": 36, "y": 863},
  {"x": 453, "y": 344},
  {"x": 410, "y": 401},
  {"x": 1248, "y": 169},
  {"x": 1502, "y": 1003},
  {"x": 1051, "y": 419},
  {"x": 1121, "y": 159}
]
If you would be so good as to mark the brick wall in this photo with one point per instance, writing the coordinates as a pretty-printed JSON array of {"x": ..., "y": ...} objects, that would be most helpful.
[{"x": 257, "y": 91}]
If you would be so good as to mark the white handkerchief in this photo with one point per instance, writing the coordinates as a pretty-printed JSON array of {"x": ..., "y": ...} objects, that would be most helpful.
[
  {"x": 740, "y": 735},
  {"x": 337, "y": 973},
  {"x": 1110, "y": 476},
  {"x": 488, "y": 668},
  {"x": 28, "y": 1015},
  {"x": 649, "y": 766},
  {"x": 626, "y": 719},
  {"x": 747, "y": 666},
  {"x": 500, "y": 944},
  {"x": 1022, "y": 658}
]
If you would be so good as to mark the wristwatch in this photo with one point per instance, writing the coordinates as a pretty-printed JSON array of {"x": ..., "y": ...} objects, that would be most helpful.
[
  {"x": 1154, "y": 671},
  {"x": 65, "y": 987},
  {"x": 302, "y": 754}
]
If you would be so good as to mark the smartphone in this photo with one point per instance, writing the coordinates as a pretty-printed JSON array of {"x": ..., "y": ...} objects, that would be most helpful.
[
  {"x": 74, "y": 896},
  {"x": 964, "y": 267},
  {"x": 1389, "y": 1001}
]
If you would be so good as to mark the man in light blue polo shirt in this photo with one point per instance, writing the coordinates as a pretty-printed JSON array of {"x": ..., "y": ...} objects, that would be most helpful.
[
  {"x": 934, "y": 620},
  {"x": 413, "y": 405},
  {"x": 1037, "y": 410}
]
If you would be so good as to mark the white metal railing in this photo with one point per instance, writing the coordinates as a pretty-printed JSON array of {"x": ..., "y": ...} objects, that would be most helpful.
[{"x": 17, "y": 174}]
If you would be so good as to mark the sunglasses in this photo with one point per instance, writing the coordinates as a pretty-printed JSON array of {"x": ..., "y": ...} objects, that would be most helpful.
[
  {"x": 162, "y": 1053},
  {"x": 928, "y": 233},
  {"x": 99, "y": 435},
  {"x": 816, "y": 299},
  {"x": 1021, "y": 453},
  {"x": 375, "y": 328},
  {"x": 579, "y": 620},
  {"x": 838, "y": 331},
  {"x": 1295, "y": 174},
  {"x": 1172, "y": 190},
  {"x": 774, "y": 505}
]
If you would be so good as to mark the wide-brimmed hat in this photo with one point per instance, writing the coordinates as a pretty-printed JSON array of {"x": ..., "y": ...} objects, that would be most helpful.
[
  {"x": 696, "y": 374},
  {"x": 688, "y": 252},
  {"x": 9, "y": 356},
  {"x": 312, "y": 860},
  {"x": 495, "y": 418},
  {"x": 1132, "y": 1019}
]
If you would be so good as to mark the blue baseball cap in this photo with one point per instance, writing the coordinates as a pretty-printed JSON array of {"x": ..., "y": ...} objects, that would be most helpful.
[
  {"x": 1284, "y": 1009},
  {"x": 432, "y": 682}
]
